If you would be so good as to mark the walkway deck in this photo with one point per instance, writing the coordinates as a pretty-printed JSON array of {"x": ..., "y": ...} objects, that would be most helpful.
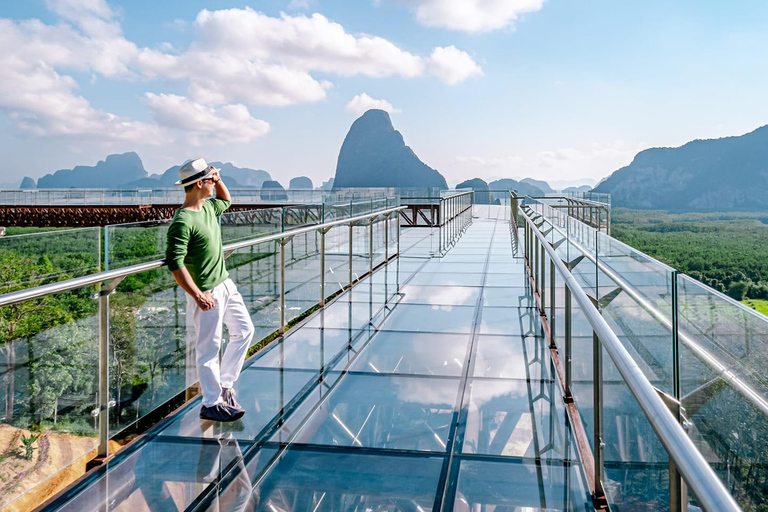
[{"x": 427, "y": 387}]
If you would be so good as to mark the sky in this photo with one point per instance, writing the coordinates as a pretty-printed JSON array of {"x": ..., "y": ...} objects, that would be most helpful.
[{"x": 559, "y": 90}]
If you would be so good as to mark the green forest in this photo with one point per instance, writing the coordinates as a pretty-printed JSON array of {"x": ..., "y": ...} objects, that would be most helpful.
[{"x": 727, "y": 251}]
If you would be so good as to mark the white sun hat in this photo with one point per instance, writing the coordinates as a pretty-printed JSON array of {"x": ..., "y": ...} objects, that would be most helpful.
[{"x": 193, "y": 171}]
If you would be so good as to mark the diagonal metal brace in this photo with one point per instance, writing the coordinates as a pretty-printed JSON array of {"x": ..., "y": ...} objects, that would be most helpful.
[
  {"x": 608, "y": 298},
  {"x": 572, "y": 264},
  {"x": 109, "y": 288}
]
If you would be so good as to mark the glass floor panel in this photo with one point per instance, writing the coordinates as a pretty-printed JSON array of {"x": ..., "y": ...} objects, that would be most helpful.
[
  {"x": 312, "y": 480},
  {"x": 413, "y": 353},
  {"x": 517, "y": 486},
  {"x": 422, "y": 318},
  {"x": 428, "y": 386},
  {"x": 384, "y": 411},
  {"x": 440, "y": 295}
]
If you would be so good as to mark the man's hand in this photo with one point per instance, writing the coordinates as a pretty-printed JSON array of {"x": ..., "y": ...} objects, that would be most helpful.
[
  {"x": 205, "y": 301},
  {"x": 221, "y": 189}
]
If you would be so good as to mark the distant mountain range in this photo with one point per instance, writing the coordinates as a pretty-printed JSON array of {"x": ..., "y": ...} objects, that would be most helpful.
[
  {"x": 373, "y": 154},
  {"x": 127, "y": 171},
  {"x": 703, "y": 175}
]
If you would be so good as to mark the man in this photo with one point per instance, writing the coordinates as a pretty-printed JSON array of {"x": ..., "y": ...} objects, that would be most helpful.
[{"x": 196, "y": 259}]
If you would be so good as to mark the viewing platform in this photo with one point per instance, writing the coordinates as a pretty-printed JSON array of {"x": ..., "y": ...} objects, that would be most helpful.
[{"x": 510, "y": 357}]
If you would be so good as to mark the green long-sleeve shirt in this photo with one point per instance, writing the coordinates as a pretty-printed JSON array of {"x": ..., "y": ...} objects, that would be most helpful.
[{"x": 194, "y": 242}]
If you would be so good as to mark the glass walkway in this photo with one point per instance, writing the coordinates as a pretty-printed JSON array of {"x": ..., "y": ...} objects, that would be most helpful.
[{"x": 427, "y": 386}]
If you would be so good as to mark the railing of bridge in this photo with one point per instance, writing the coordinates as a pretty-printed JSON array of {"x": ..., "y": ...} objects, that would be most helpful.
[
  {"x": 701, "y": 351},
  {"x": 455, "y": 216},
  {"x": 596, "y": 197},
  {"x": 85, "y": 359},
  {"x": 172, "y": 196}
]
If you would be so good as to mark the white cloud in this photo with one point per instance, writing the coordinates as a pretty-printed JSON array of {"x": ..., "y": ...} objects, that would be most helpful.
[
  {"x": 240, "y": 57},
  {"x": 472, "y": 15},
  {"x": 301, "y": 4},
  {"x": 43, "y": 102},
  {"x": 206, "y": 125},
  {"x": 309, "y": 43},
  {"x": 362, "y": 103},
  {"x": 246, "y": 56},
  {"x": 452, "y": 65},
  {"x": 597, "y": 151}
]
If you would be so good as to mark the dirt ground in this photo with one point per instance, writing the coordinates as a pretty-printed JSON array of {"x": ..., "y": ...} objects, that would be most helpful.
[{"x": 58, "y": 460}]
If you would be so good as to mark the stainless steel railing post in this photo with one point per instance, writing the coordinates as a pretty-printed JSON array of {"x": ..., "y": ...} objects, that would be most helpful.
[
  {"x": 552, "y": 337},
  {"x": 386, "y": 237},
  {"x": 322, "y": 267},
  {"x": 597, "y": 387},
  {"x": 543, "y": 274},
  {"x": 370, "y": 246},
  {"x": 568, "y": 349},
  {"x": 351, "y": 229},
  {"x": 283, "y": 241},
  {"x": 398, "y": 233},
  {"x": 678, "y": 493},
  {"x": 103, "y": 449}
]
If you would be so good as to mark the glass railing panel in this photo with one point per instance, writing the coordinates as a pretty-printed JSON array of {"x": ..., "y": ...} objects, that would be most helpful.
[
  {"x": 722, "y": 346},
  {"x": 336, "y": 259},
  {"x": 394, "y": 233},
  {"x": 360, "y": 250},
  {"x": 380, "y": 251},
  {"x": 336, "y": 210},
  {"x": 582, "y": 376},
  {"x": 300, "y": 216},
  {"x": 256, "y": 272},
  {"x": 636, "y": 463},
  {"x": 149, "y": 346},
  {"x": 243, "y": 225},
  {"x": 136, "y": 242},
  {"x": 730, "y": 332},
  {"x": 302, "y": 274},
  {"x": 39, "y": 258},
  {"x": 48, "y": 400}
]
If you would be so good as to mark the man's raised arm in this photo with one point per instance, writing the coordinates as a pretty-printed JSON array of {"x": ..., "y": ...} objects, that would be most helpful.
[{"x": 221, "y": 189}]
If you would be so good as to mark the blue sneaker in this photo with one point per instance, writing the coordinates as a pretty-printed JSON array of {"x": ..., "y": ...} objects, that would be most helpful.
[{"x": 220, "y": 412}]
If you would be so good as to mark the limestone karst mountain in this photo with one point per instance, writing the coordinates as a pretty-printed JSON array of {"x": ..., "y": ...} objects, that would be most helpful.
[
  {"x": 374, "y": 154},
  {"x": 300, "y": 183},
  {"x": 127, "y": 171},
  {"x": 500, "y": 188},
  {"x": 482, "y": 196},
  {"x": 112, "y": 172},
  {"x": 273, "y": 191},
  {"x": 703, "y": 175}
]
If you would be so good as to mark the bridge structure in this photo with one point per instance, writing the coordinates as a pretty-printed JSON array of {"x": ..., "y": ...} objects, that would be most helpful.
[
  {"x": 97, "y": 207},
  {"x": 527, "y": 362}
]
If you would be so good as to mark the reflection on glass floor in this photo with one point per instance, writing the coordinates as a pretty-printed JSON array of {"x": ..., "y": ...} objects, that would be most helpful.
[{"x": 427, "y": 387}]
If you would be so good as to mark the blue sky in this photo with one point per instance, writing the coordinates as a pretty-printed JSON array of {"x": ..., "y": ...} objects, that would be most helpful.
[{"x": 555, "y": 89}]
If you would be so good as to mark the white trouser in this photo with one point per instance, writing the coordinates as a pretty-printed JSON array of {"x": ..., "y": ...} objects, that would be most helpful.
[{"x": 229, "y": 309}]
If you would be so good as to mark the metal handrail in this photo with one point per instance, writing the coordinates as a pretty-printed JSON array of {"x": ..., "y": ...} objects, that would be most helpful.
[
  {"x": 108, "y": 275},
  {"x": 705, "y": 484},
  {"x": 741, "y": 387}
]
